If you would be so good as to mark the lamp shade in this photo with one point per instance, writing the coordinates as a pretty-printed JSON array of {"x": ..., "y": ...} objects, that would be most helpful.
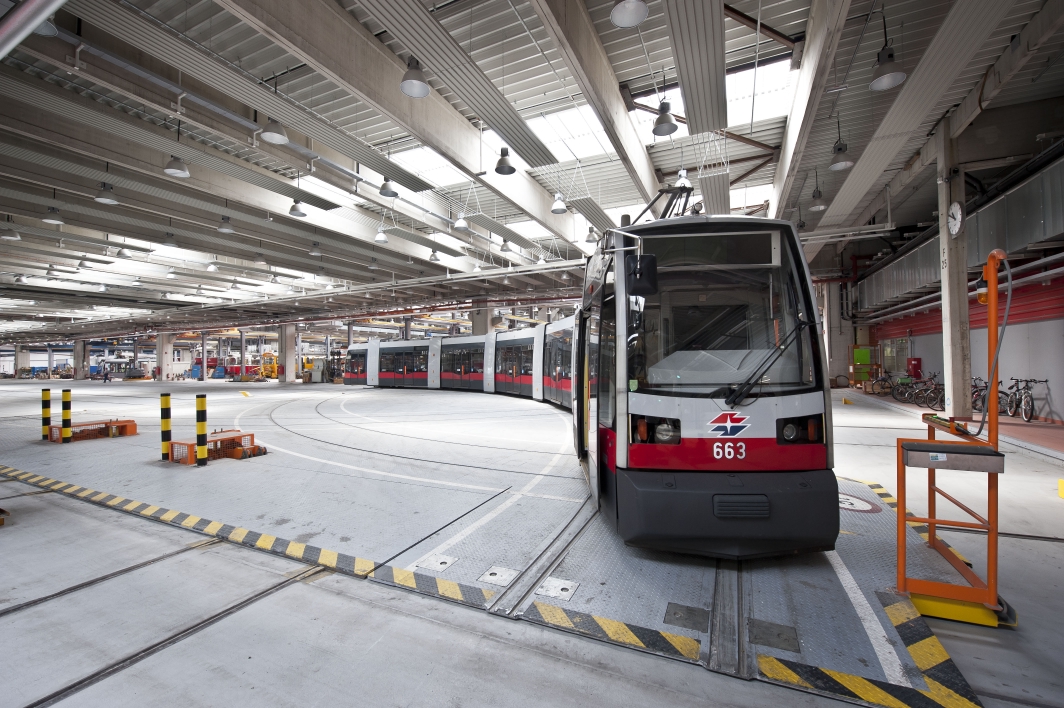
[
  {"x": 434, "y": 257},
  {"x": 591, "y": 237},
  {"x": 106, "y": 195},
  {"x": 274, "y": 133},
  {"x": 559, "y": 204},
  {"x": 414, "y": 84},
  {"x": 381, "y": 237},
  {"x": 887, "y": 74},
  {"x": 314, "y": 250},
  {"x": 503, "y": 166},
  {"x": 10, "y": 235},
  {"x": 461, "y": 224},
  {"x": 224, "y": 226},
  {"x": 818, "y": 201},
  {"x": 388, "y": 189},
  {"x": 52, "y": 217},
  {"x": 505, "y": 248},
  {"x": 296, "y": 209},
  {"x": 665, "y": 124},
  {"x": 841, "y": 160},
  {"x": 176, "y": 168},
  {"x": 628, "y": 13}
]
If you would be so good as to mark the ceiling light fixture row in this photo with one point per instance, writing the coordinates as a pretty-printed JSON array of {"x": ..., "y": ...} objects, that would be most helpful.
[{"x": 818, "y": 197}]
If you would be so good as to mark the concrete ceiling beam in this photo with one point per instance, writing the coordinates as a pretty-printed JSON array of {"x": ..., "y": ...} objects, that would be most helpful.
[{"x": 569, "y": 26}]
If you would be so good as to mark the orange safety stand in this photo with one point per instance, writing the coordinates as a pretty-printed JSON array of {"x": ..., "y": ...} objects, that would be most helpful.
[{"x": 978, "y": 602}]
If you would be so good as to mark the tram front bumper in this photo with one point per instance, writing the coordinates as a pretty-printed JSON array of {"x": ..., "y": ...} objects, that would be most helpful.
[{"x": 729, "y": 515}]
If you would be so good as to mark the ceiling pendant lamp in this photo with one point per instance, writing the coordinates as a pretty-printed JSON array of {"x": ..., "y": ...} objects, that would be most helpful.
[
  {"x": 212, "y": 267},
  {"x": 541, "y": 261},
  {"x": 123, "y": 253},
  {"x": 818, "y": 197},
  {"x": 260, "y": 259},
  {"x": 199, "y": 290},
  {"x": 176, "y": 168},
  {"x": 102, "y": 288},
  {"x": 274, "y": 133},
  {"x": 461, "y": 224},
  {"x": 503, "y": 166},
  {"x": 628, "y": 13},
  {"x": 505, "y": 248},
  {"x": 434, "y": 257},
  {"x": 414, "y": 84},
  {"x": 388, "y": 189},
  {"x": 106, "y": 195},
  {"x": 506, "y": 280},
  {"x": 53, "y": 217},
  {"x": 591, "y": 236},
  {"x": 225, "y": 226},
  {"x": 10, "y": 235},
  {"x": 565, "y": 275},
  {"x": 84, "y": 264},
  {"x": 681, "y": 179},
  {"x": 171, "y": 273},
  {"x": 169, "y": 240},
  {"x": 234, "y": 285},
  {"x": 841, "y": 159},
  {"x": 477, "y": 268},
  {"x": 136, "y": 282},
  {"x": 314, "y": 250},
  {"x": 887, "y": 75},
  {"x": 296, "y": 210},
  {"x": 558, "y": 207},
  {"x": 273, "y": 279},
  {"x": 665, "y": 124},
  {"x": 381, "y": 237}
]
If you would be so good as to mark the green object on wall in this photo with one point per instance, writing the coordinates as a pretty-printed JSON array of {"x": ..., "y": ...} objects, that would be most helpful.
[{"x": 862, "y": 356}]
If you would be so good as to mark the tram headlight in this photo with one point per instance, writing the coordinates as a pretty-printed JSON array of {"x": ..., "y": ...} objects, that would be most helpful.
[
  {"x": 790, "y": 432},
  {"x": 801, "y": 430},
  {"x": 665, "y": 433}
]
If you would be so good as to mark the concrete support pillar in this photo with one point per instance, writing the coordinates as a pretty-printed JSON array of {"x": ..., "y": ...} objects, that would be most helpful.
[
  {"x": 406, "y": 328},
  {"x": 81, "y": 360},
  {"x": 243, "y": 353},
  {"x": 203, "y": 360},
  {"x": 350, "y": 335},
  {"x": 22, "y": 357},
  {"x": 286, "y": 354},
  {"x": 164, "y": 356},
  {"x": 51, "y": 360},
  {"x": 953, "y": 260},
  {"x": 481, "y": 320}
]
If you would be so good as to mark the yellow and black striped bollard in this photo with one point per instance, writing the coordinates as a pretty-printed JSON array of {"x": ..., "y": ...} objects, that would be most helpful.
[
  {"x": 201, "y": 429},
  {"x": 46, "y": 413},
  {"x": 66, "y": 415},
  {"x": 164, "y": 423}
]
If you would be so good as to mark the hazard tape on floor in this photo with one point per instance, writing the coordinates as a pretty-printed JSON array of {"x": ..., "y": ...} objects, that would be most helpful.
[
  {"x": 432, "y": 585},
  {"x": 674, "y": 646},
  {"x": 342, "y": 562},
  {"x": 946, "y": 686},
  {"x": 918, "y": 526}
]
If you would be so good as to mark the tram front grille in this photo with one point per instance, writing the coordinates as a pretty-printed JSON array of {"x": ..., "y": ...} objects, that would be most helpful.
[{"x": 740, "y": 506}]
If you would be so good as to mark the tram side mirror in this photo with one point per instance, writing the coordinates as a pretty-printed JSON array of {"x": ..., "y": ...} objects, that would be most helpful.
[{"x": 641, "y": 274}]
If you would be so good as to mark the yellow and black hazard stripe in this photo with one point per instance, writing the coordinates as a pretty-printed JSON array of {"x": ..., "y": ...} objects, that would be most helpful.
[
  {"x": 918, "y": 526},
  {"x": 674, "y": 646},
  {"x": 342, "y": 562},
  {"x": 946, "y": 686},
  {"x": 433, "y": 585}
]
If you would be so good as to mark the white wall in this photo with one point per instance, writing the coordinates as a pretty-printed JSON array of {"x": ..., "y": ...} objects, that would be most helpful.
[{"x": 1031, "y": 350}]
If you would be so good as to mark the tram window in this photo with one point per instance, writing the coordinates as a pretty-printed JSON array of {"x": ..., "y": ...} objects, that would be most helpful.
[
  {"x": 420, "y": 360},
  {"x": 387, "y": 363}
]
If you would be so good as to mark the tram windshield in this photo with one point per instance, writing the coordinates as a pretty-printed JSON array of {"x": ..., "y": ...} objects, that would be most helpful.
[{"x": 725, "y": 305}]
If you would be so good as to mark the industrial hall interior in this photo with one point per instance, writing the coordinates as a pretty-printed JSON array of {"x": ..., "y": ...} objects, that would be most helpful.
[{"x": 532, "y": 353}]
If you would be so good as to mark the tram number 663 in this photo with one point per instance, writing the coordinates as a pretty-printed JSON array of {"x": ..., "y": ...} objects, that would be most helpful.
[{"x": 729, "y": 451}]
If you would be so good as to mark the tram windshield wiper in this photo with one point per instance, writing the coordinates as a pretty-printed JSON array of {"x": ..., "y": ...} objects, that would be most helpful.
[{"x": 743, "y": 390}]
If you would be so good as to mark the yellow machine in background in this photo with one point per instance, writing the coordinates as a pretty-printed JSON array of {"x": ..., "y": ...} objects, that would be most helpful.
[{"x": 269, "y": 365}]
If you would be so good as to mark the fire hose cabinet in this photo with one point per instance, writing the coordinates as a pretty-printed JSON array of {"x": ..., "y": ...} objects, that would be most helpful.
[{"x": 914, "y": 367}]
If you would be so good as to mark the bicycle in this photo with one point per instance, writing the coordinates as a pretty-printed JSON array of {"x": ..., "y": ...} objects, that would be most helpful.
[
  {"x": 927, "y": 392},
  {"x": 883, "y": 385},
  {"x": 980, "y": 391},
  {"x": 1021, "y": 399}
]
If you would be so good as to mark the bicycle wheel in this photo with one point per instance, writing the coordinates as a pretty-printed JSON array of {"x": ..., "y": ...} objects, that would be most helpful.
[
  {"x": 936, "y": 400},
  {"x": 881, "y": 387},
  {"x": 1027, "y": 406},
  {"x": 1003, "y": 403},
  {"x": 977, "y": 401},
  {"x": 899, "y": 392},
  {"x": 920, "y": 397},
  {"x": 1013, "y": 404}
]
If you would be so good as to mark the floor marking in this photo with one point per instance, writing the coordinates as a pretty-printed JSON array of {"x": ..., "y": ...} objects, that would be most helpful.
[
  {"x": 888, "y": 658},
  {"x": 514, "y": 498}
]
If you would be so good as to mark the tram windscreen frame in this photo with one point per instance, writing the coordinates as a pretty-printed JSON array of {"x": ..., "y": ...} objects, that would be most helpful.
[{"x": 725, "y": 304}]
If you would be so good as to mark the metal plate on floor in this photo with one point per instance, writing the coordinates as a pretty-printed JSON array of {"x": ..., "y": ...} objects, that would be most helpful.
[
  {"x": 770, "y": 634},
  {"x": 696, "y": 618},
  {"x": 557, "y": 588},
  {"x": 497, "y": 575},
  {"x": 436, "y": 562}
]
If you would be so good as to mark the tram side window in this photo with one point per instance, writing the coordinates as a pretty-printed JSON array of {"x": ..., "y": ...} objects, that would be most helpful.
[
  {"x": 447, "y": 361},
  {"x": 387, "y": 363},
  {"x": 607, "y": 363},
  {"x": 421, "y": 360}
]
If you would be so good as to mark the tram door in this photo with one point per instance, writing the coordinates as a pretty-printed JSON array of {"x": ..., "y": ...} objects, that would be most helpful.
[
  {"x": 386, "y": 376},
  {"x": 590, "y": 396}
]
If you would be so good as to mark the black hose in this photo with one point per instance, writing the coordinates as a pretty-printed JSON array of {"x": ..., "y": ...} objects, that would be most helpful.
[{"x": 1001, "y": 338}]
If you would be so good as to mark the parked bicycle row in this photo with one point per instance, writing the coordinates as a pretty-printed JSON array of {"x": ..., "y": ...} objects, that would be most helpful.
[{"x": 1016, "y": 400}]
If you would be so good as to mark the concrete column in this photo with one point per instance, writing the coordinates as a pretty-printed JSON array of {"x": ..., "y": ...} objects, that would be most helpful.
[
  {"x": 164, "y": 356},
  {"x": 203, "y": 359},
  {"x": 22, "y": 357},
  {"x": 953, "y": 260},
  {"x": 480, "y": 320},
  {"x": 81, "y": 359},
  {"x": 406, "y": 328},
  {"x": 51, "y": 360},
  {"x": 350, "y": 335},
  {"x": 286, "y": 354},
  {"x": 243, "y": 352}
]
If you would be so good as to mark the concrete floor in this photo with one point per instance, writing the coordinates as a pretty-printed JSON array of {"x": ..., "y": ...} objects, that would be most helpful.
[{"x": 393, "y": 476}]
